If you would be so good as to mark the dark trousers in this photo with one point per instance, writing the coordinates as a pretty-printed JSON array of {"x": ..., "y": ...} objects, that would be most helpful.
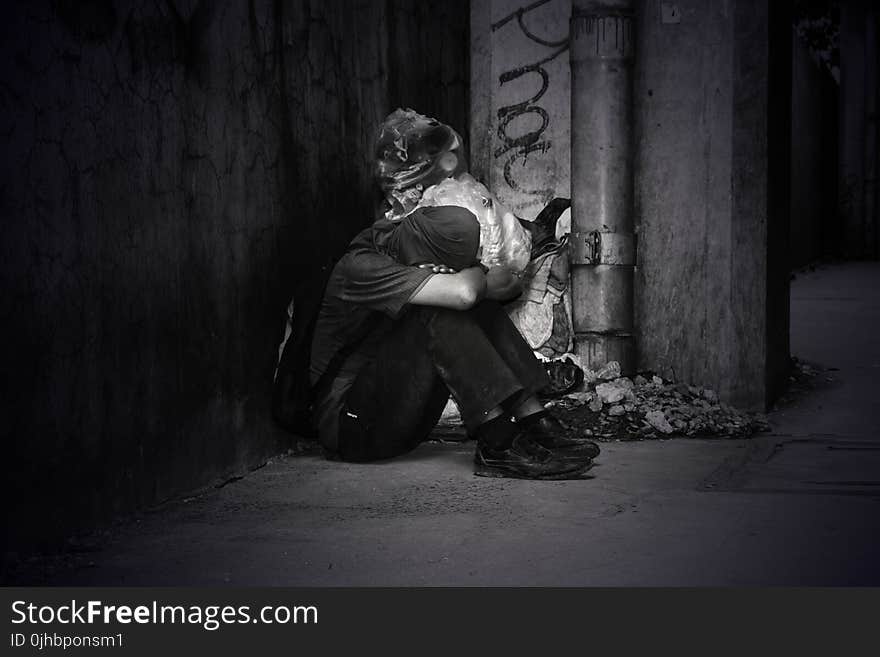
[{"x": 476, "y": 355}]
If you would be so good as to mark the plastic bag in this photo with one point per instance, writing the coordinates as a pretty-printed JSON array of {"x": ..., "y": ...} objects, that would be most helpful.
[
  {"x": 504, "y": 239},
  {"x": 412, "y": 153}
]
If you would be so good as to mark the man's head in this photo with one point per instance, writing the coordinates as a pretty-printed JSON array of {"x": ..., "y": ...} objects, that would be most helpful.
[{"x": 447, "y": 235}]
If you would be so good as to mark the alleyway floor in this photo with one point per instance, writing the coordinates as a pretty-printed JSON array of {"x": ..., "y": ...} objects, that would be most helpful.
[{"x": 797, "y": 505}]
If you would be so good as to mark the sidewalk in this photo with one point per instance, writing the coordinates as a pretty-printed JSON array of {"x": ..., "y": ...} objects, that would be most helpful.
[{"x": 800, "y": 505}]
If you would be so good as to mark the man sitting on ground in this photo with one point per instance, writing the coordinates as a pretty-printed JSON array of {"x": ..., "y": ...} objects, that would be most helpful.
[{"x": 409, "y": 317}]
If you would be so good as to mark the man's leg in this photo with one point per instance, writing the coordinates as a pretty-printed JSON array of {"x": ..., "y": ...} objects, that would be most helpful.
[
  {"x": 465, "y": 358},
  {"x": 529, "y": 412},
  {"x": 505, "y": 449},
  {"x": 397, "y": 398},
  {"x": 509, "y": 343}
]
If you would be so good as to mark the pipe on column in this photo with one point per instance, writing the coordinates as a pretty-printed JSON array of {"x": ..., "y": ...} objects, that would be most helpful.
[{"x": 602, "y": 240}]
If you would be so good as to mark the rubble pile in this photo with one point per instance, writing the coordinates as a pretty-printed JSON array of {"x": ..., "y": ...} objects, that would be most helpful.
[
  {"x": 614, "y": 407},
  {"x": 804, "y": 378}
]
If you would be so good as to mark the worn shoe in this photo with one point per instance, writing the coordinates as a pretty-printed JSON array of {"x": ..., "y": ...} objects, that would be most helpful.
[
  {"x": 524, "y": 459},
  {"x": 548, "y": 432}
]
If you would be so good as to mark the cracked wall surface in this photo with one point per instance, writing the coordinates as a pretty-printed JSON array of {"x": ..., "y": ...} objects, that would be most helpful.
[{"x": 170, "y": 170}]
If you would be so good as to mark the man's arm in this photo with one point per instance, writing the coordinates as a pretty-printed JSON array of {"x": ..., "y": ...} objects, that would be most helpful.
[
  {"x": 458, "y": 291},
  {"x": 379, "y": 282}
]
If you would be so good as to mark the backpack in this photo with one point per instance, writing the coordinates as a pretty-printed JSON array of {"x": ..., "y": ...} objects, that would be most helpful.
[{"x": 292, "y": 394}]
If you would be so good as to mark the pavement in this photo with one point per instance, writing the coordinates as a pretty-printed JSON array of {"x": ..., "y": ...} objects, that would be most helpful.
[{"x": 799, "y": 505}]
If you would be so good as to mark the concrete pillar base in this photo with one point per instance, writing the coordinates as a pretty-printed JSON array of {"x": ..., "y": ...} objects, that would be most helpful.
[{"x": 597, "y": 349}]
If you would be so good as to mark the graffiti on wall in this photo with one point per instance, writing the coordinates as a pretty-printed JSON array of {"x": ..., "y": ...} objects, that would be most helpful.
[{"x": 512, "y": 147}]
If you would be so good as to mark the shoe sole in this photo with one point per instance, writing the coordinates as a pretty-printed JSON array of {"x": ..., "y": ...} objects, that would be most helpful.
[
  {"x": 486, "y": 470},
  {"x": 572, "y": 456}
]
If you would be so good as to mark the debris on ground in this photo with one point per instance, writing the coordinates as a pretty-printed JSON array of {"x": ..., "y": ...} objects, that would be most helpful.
[
  {"x": 610, "y": 372},
  {"x": 611, "y": 393},
  {"x": 613, "y": 407},
  {"x": 804, "y": 378},
  {"x": 608, "y": 406}
]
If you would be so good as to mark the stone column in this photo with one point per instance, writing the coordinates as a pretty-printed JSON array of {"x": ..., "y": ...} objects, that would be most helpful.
[{"x": 603, "y": 250}]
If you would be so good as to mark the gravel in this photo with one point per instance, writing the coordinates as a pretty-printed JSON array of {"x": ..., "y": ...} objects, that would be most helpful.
[{"x": 611, "y": 407}]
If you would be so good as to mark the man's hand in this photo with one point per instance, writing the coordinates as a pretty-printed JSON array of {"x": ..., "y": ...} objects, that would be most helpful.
[
  {"x": 502, "y": 284},
  {"x": 437, "y": 269}
]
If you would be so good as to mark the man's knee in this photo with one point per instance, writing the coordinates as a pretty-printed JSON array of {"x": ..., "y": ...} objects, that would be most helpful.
[{"x": 435, "y": 317}]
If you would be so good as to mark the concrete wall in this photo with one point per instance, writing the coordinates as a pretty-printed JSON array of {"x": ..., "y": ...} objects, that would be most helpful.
[
  {"x": 684, "y": 154},
  {"x": 170, "y": 171},
  {"x": 813, "y": 232},
  {"x": 427, "y": 41},
  {"x": 774, "y": 74},
  {"x": 702, "y": 171},
  {"x": 521, "y": 101},
  {"x": 859, "y": 159}
]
